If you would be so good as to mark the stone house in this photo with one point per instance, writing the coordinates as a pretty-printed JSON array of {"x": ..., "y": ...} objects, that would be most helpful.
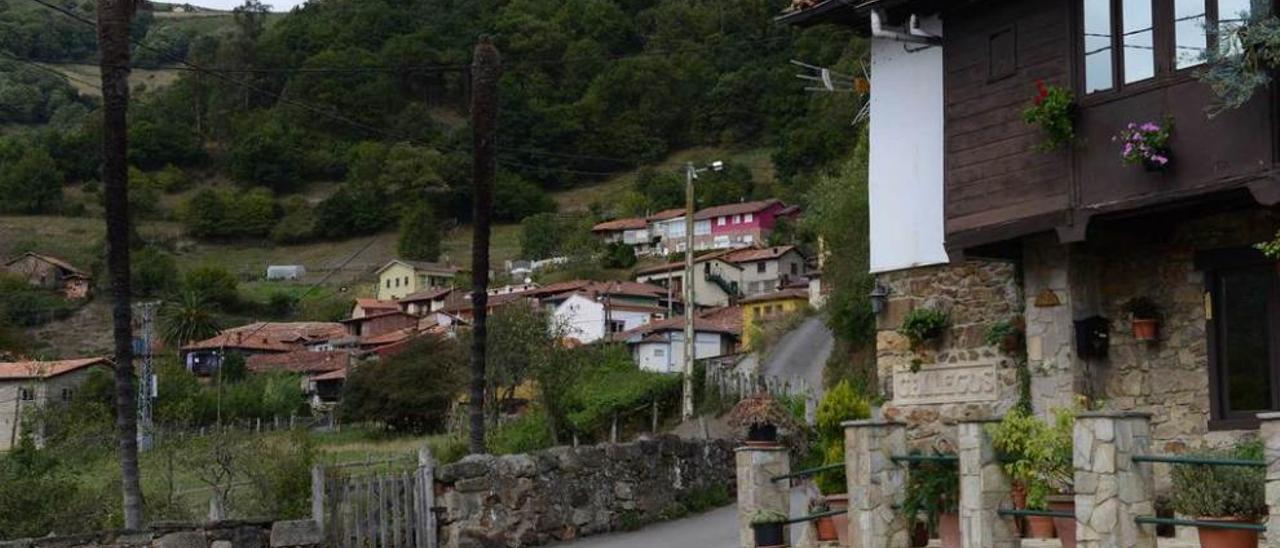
[
  {"x": 399, "y": 278},
  {"x": 203, "y": 358},
  {"x": 32, "y": 384},
  {"x": 51, "y": 273},
  {"x": 970, "y": 216}
]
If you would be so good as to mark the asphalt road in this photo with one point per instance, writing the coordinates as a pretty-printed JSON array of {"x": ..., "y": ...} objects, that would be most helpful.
[
  {"x": 715, "y": 529},
  {"x": 802, "y": 353}
]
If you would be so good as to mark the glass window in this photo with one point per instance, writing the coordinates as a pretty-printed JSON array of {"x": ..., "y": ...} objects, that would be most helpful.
[
  {"x": 761, "y": 267},
  {"x": 1189, "y": 36},
  {"x": 720, "y": 221},
  {"x": 1097, "y": 45},
  {"x": 1241, "y": 298},
  {"x": 1231, "y": 14},
  {"x": 748, "y": 217},
  {"x": 737, "y": 219},
  {"x": 1139, "y": 41}
]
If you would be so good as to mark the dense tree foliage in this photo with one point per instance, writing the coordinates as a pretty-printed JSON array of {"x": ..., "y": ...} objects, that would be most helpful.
[
  {"x": 419, "y": 233},
  {"x": 391, "y": 390}
]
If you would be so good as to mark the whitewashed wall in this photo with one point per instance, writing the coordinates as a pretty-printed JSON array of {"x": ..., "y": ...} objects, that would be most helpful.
[
  {"x": 583, "y": 318},
  {"x": 906, "y": 189},
  {"x": 664, "y": 358}
]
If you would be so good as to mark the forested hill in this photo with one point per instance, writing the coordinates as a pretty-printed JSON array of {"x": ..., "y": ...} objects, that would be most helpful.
[{"x": 372, "y": 93}]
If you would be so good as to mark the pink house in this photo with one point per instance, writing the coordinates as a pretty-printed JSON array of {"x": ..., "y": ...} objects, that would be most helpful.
[{"x": 744, "y": 224}]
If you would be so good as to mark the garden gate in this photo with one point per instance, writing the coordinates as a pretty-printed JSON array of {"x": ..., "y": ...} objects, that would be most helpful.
[{"x": 376, "y": 506}]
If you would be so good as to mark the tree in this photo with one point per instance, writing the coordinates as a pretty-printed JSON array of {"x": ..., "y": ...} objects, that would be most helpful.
[
  {"x": 154, "y": 273},
  {"x": 519, "y": 342},
  {"x": 391, "y": 390},
  {"x": 114, "y": 17},
  {"x": 419, "y": 233},
  {"x": 215, "y": 285},
  {"x": 539, "y": 236},
  {"x": 187, "y": 319},
  {"x": 31, "y": 183}
]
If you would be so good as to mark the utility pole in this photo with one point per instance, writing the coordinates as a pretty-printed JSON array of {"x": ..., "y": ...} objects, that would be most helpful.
[
  {"x": 147, "y": 375},
  {"x": 686, "y": 400},
  {"x": 485, "y": 71},
  {"x": 114, "y": 17}
]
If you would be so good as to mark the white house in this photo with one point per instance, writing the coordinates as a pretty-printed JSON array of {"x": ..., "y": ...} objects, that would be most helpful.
[
  {"x": 589, "y": 319},
  {"x": 659, "y": 346}
]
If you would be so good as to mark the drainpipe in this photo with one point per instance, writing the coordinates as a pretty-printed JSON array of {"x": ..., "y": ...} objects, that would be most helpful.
[{"x": 913, "y": 34}]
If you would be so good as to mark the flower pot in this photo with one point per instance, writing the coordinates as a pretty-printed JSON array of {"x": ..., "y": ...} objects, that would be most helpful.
[
  {"x": 920, "y": 535},
  {"x": 1018, "y": 492},
  {"x": 1066, "y": 527},
  {"x": 949, "y": 529},
  {"x": 769, "y": 534},
  {"x": 826, "y": 529},
  {"x": 1212, "y": 537},
  {"x": 762, "y": 434},
  {"x": 1011, "y": 344},
  {"x": 841, "y": 521},
  {"x": 1145, "y": 330},
  {"x": 1039, "y": 527}
]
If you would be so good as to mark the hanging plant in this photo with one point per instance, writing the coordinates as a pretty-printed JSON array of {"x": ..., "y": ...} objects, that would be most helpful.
[
  {"x": 1241, "y": 62},
  {"x": 1146, "y": 144},
  {"x": 922, "y": 325},
  {"x": 1271, "y": 249},
  {"x": 1053, "y": 111}
]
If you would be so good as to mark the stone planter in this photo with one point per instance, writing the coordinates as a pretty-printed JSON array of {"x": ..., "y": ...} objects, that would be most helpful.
[
  {"x": 1039, "y": 527},
  {"x": 1145, "y": 330},
  {"x": 769, "y": 534},
  {"x": 949, "y": 530},
  {"x": 1212, "y": 537},
  {"x": 1066, "y": 527},
  {"x": 840, "y": 521}
]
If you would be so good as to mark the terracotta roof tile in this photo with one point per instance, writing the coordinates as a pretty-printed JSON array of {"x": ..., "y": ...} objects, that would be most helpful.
[
  {"x": 758, "y": 254},
  {"x": 46, "y": 369},
  {"x": 298, "y": 361},
  {"x": 426, "y": 295},
  {"x": 792, "y": 293},
  {"x": 666, "y": 214},
  {"x": 680, "y": 264},
  {"x": 735, "y": 209},
  {"x": 370, "y": 304},
  {"x": 633, "y": 223},
  {"x": 271, "y": 336}
]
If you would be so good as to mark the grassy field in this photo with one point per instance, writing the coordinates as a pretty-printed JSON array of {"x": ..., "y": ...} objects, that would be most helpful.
[{"x": 580, "y": 199}]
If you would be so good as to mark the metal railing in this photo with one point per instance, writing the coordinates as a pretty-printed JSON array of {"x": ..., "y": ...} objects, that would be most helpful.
[
  {"x": 924, "y": 458},
  {"x": 1171, "y": 459},
  {"x": 812, "y": 517},
  {"x": 1199, "y": 461},
  {"x": 1014, "y": 512},
  {"x": 1199, "y": 523},
  {"x": 808, "y": 472}
]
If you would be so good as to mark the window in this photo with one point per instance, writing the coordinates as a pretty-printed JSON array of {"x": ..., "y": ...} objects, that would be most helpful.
[
  {"x": 616, "y": 326},
  {"x": 721, "y": 220},
  {"x": 755, "y": 312},
  {"x": 748, "y": 217},
  {"x": 26, "y": 394},
  {"x": 795, "y": 269},
  {"x": 1156, "y": 37},
  {"x": 761, "y": 267},
  {"x": 737, "y": 219},
  {"x": 1243, "y": 309},
  {"x": 659, "y": 352},
  {"x": 388, "y": 280},
  {"x": 67, "y": 394}
]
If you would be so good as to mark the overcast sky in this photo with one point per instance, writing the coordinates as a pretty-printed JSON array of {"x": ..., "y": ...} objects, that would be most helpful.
[{"x": 276, "y": 5}]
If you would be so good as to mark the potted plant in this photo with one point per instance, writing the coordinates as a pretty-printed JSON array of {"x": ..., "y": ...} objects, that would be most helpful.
[
  {"x": 1038, "y": 455},
  {"x": 923, "y": 325},
  {"x": 933, "y": 498},
  {"x": 769, "y": 528},
  {"x": 759, "y": 416},
  {"x": 842, "y": 403},
  {"x": 1053, "y": 110},
  {"x": 1271, "y": 249},
  {"x": 1146, "y": 144},
  {"x": 1234, "y": 74},
  {"x": 1007, "y": 335},
  {"x": 1144, "y": 316},
  {"x": 826, "y": 529},
  {"x": 1223, "y": 493}
]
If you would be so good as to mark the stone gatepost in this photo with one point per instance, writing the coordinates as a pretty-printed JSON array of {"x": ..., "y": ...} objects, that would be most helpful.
[
  {"x": 877, "y": 484},
  {"x": 1270, "y": 432},
  {"x": 984, "y": 490},
  {"x": 1111, "y": 489},
  {"x": 756, "y": 467}
]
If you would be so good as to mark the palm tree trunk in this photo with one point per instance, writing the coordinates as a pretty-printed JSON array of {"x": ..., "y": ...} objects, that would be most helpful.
[
  {"x": 113, "y": 39},
  {"x": 484, "y": 121}
]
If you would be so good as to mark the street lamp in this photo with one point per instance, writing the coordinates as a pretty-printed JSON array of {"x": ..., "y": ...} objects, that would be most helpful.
[{"x": 691, "y": 172}]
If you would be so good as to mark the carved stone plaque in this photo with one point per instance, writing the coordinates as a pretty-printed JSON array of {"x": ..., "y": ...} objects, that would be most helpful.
[{"x": 946, "y": 383}]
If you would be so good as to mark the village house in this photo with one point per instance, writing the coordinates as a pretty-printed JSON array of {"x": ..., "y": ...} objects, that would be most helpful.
[
  {"x": 368, "y": 307},
  {"x": 659, "y": 346},
  {"x": 203, "y": 358},
  {"x": 716, "y": 280},
  {"x": 380, "y": 323},
  {"x": 50, "y": 273},
  {"x": 399, "y": 278},
  {"x": 768, "y": 269},
  {"x": 972, "y": 217},
  {"x": 422, "y": 302},
  {"x": 600, "y": 309},
  {"x": 31, "y": 384},
  {"x": 759, "y": 309}
]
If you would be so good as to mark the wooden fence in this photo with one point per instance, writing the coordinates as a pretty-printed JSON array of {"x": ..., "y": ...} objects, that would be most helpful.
[
  {"x": 361, "y": 506},
  {"x": 724, "y": 375}
]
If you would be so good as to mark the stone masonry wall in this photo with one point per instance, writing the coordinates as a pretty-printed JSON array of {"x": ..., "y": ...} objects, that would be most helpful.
[
  {"x": 568, "y": 492},
  {"x": 961, "y": 377},
  {"x": 226, "y": 534}
]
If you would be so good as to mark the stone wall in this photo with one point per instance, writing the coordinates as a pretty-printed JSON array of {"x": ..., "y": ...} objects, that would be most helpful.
[
  {"x": 961, "y": 377},
  {"x": 226, "y": 534},
  {"x": 568, "y": 492}
]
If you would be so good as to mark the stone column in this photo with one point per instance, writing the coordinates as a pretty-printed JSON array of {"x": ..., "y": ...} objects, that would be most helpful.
[
  {"x": 1270, "y": 433},
  {"x": 984, "y": 490},
  {"x": 877, "y": 485},
  {"x": 757, "y": 466},
  {"x": 1111, "y": 489}
]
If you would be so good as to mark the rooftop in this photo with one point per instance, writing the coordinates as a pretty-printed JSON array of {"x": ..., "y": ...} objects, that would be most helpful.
[
  {"x": 781, "y": 294},
  {"x": 298, "y": 361},
  {"x": 634, "y": 223},
  {"x": 736, "y": 209},
  {"x": 48, "y": 259},
  {"x": 271, "y": 336},
  {"x": 46, "y": 369},
  {"x": 758, "y": 254}
]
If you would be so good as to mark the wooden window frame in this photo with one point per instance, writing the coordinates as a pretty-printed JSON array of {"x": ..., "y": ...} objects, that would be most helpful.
[{"x": 1212, "y": 264}]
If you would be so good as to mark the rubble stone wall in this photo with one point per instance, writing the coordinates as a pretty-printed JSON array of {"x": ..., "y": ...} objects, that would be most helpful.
[
  {"x": 568, "y": 492},
  {"x": 226, "y": 534}
]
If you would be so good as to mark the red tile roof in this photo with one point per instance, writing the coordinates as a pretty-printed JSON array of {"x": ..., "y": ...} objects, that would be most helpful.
[
  {"x": 336, "y": 375},
  {"x": 271, "y": 336},
  {"x": 666, "y": 214},
  {"x": 375, "y": 304},
  {"x": 46, "y": 369},
  {"x": 298, "y": 361},
  {"x": 680, "y": 264},
  {"x": 376, "y": 315},
  {"x": 633, "y": 223},
  {"x": 726, "y": 320},
  {"x": 736, "y": 209},
  {"x": 757, "y": 254},
  {"x": 389, "y": 337},
  {"x": 426, "y": 295},
  {"x": 782, "y": 294}
]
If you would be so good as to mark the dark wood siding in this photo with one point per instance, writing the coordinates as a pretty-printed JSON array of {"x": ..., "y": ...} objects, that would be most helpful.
[{"x": 994, "y": 175}]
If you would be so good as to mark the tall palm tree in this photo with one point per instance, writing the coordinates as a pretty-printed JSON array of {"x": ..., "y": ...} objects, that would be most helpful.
[
  {"x": 187, "y": 319},
  {"x": 485, "y": 71},
  {"x": 114, "y": 17}
]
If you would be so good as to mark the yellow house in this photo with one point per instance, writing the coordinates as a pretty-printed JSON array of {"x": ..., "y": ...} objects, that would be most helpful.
[
  {"x": 399, "y": 278},
  {"x": 758, "y": 310}
]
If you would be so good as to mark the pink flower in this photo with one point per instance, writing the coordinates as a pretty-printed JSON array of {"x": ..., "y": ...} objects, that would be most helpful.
[
  {"x": 1150, "y": 127},
  {"x": 1159, "y": 159}
]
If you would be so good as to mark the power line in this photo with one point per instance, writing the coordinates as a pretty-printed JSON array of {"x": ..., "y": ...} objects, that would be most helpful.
[{"x": 38, "y": 66}]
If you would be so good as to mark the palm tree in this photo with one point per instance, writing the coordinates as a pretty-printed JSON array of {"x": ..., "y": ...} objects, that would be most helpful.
[
  {"x": 187, "y": 319},
  {"x": 484, "y": 120},
  {"x": 114, "y": 17}
]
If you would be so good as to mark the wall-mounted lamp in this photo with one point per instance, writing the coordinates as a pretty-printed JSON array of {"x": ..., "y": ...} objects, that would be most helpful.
[{"x": 879, "y": 299}]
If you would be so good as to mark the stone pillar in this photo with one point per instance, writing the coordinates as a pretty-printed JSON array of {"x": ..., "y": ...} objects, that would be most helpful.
[
  {"x": 757, "y": 466},
  {"x": 877, "y": 485},
  {"x": 984, "y": 490},
  {"x": 1111, "y": 489},
  {"x": 1270, "y": 433}
]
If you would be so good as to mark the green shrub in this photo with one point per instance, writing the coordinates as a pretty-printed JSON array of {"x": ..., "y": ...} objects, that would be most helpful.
[
  {"x": 1222, "y": 491},
  {"x": 155, "y": 273},
  {"x": 525, "y": 434},
  {"x": 214, "y": 284},
  {"x": 1036, "y": 453},
  {"x": 923, "y": 324},
  {"x": 840, "y": 404},
  {"x": 933, "y": 488}
]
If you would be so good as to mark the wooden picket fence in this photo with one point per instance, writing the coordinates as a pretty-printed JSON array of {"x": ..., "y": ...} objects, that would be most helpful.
[
  {"x": 724, "y": 376},
  {"x": 367, "y": 505}
]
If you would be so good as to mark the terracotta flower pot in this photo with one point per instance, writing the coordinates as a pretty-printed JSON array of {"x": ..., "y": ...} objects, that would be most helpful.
[
  {"x": 1145, "y": 330},
  {"x": 1212, "y": 537},
  {"x": 826, "y": 529},
  {"x": 840, "y": 521},
  {"x": 1018, "y": 492},
  {"x": 1066, "y": 527},
  {"x": 920, "y": 535},
  {"x": 1039, "y": 527},
  {"x": 949, "y": 529}
]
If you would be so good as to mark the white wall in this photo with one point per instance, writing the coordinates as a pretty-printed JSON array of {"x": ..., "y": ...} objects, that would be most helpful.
[
  {"x": 583, "y": 318},
  {"x": 906, "y": 188},
  {"x": 671, "y": 360}
]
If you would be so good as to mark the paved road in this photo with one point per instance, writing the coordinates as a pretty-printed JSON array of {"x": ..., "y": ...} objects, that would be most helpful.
[
  {"x": 715, "y": 529},
  {"x": 802, "y": 353}
]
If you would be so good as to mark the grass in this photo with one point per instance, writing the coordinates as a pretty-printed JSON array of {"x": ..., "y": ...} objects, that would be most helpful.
[
  {"x": 139, "y": 79},
  {"x": 580, "y": 199}
]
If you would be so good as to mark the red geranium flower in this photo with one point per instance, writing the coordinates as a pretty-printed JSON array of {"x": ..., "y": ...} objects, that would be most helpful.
[{"x": 1042, "y": 92}]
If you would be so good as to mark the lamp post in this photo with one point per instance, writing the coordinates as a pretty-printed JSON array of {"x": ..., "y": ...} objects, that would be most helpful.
[{"x": 690, "y": 307}]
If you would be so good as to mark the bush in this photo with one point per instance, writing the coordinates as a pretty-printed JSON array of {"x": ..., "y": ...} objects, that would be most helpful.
[
  {"x": 840, "y": 404},
  {"x": 515, "y": 198},
  {"x": 1222, "y": 491},
  {"x": 419, "y": 233},
  {"x": 22, "y": 305},
  {"x": 391, "y": 391},
  {"x": 528, "y": 433},
  {"x": 1036, "y": 453},
  {"x": 154, "y": 272},
  {"x": 619, "y": 255},
  {"x": 214, "y": 284},
  {"x": 923, "y": 324}
]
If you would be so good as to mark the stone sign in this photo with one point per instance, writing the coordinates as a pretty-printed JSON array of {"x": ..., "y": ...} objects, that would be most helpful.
[{"x": 946, "y": 383}]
